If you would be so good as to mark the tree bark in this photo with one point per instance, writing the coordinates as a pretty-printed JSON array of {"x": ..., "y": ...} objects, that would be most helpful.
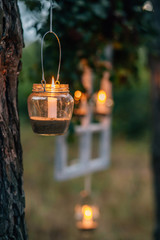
[
  {"x": 12, "y": 200},
  {"x": 155, "y": 79},
  {"x": 155, "y": 69}
]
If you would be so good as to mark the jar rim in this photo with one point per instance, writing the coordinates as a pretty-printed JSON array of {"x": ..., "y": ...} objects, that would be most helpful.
[{"x": 37, "y": 87}]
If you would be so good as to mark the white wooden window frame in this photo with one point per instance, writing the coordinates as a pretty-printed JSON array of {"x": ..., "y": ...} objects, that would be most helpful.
[{"x": 84, "y": 165}]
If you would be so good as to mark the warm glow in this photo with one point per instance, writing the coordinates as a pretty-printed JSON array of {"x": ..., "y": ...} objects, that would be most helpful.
[
  {"x": 87, "y": 212},
  {"x": 53, "y": 81},
  {"x": 102, "y": 96},
  {"x": 77, "y": 95}
]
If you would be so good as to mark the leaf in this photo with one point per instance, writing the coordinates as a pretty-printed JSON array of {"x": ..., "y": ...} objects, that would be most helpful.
[{"x": 99, "y": 10}]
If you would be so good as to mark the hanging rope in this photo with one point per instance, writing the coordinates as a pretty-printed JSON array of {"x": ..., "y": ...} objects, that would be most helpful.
[
  {"x": 87, "y": 183},
  {"x": 51, "y": 17}
]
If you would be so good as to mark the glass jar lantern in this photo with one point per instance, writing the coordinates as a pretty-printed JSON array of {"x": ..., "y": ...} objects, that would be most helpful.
[
  {"x": 81, "y": 107},
  {"x": 50, "y": 106},
  {"x": 86, "y": 214},
  {"x": 103, "y": 104},
  {"x": 50, "y": 110},
  {"x": 86, "y": 217}
]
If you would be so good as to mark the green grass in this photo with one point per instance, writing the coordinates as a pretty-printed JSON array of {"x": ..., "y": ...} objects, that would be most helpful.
[{"x": 123, "y": 192}]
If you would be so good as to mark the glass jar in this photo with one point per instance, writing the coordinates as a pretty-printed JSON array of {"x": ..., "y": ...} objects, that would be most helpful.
[
  {"x": 50, "y": 110},
  {"x": 86, "y": 214},
  {"x": 103, "y": 104},
  {"x": 81, "y": 106}
]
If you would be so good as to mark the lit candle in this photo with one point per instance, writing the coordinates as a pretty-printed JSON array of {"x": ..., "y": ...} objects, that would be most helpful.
[
  {"x": 87, "y": 220},
  {"x": 77, "y": 95},
  {"x": 81, "y": 100},
  {"x": 101, "y": 102},
  {"x": 86, "y": 216},
  {"x": 52, "y": 104}
]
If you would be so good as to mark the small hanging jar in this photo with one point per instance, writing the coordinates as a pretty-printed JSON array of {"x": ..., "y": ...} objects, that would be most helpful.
[
  {"x": 50, "y": 111},
  {"x": 81, "y": 106},
  {"x": 103, "y": 104},
  {"x": 50, "y": 106},
  {"x": 86, "y": 214}
]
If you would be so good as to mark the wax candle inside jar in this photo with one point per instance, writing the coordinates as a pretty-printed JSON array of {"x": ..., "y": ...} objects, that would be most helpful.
[
  {"x": 87, "y": 221},
  {"x": 101, "y": 102},
  {"x": 82, "y": 108},
  {"x": 83, "y": 104},
  {"x": 87, "y": 216},
  {"x": 52, "y": 104}
]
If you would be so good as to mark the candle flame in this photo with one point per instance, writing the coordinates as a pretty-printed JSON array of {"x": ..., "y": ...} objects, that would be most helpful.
[
  {"x": 77, "y": 95},
  {"x": 87, "y": 212},
  {"x": 53, "y": 81},
  {"x": 102, "y": 96}
]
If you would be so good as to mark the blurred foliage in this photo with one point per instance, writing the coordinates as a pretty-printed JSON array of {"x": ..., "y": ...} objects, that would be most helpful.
[
  {"x": 85, "y": 29},
  {"x": 31, "y": 73},
  {"x": 132, "y": 109}
]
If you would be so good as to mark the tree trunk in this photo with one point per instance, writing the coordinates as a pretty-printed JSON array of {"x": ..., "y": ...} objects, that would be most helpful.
[
  {"x": 155, "y": 77},
  {"x": 12, "y": 201},
  {"x": 155, "y": 69}
]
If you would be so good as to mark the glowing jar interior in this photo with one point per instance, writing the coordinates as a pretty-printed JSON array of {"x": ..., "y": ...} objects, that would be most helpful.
[
  {"x": 50, "y": 111},
  {"x": 81, "y": 107},
  {"x": 104, "y": 104},
  {"x": 86, "y": 216},
  {"x": 101, "y": 107}
]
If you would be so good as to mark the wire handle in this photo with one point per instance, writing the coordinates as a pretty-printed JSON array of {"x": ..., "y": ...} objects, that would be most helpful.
[
  {"x": 42, "y": 62},
  {"x": 43, "y": 81}
]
